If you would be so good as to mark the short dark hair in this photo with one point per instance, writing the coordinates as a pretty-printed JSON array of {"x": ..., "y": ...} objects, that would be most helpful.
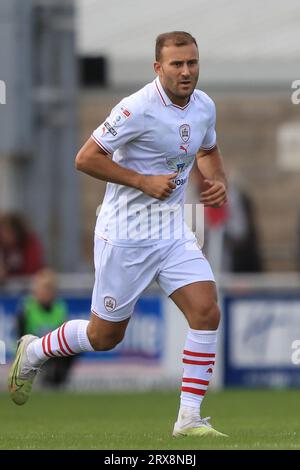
[{"x": 178, "y": 38}]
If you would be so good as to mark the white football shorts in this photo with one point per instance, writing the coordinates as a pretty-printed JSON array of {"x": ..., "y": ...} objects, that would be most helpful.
[{"x": 123, "y": 273}]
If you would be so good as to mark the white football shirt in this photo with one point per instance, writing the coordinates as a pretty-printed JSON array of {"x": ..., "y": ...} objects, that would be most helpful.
[{"x": 147, "y": 133}]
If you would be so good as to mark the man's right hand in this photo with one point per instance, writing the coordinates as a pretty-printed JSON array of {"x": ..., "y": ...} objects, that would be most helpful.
[{"x": 158, "y": 186}]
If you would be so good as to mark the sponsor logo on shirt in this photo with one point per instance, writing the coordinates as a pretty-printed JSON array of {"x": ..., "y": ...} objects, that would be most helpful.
[
  {"x": 119, "y": 116},
  {"x": 125, "y": 112},
  {"x": 184, "y": 148},
  {"x": 180, "y": 163},
  {"x": 180, "y": 181},
  {"x": 110, "y": 129},
  {"x": 185, "y": 132}
]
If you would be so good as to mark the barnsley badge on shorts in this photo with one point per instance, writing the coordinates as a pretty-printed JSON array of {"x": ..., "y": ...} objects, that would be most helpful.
[
  {"x": 110, "y": 303},
  {"x": 185, "y": 132}
]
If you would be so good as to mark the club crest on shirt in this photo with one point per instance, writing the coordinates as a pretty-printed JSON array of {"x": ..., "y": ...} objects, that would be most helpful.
[
  {"x": 110, "y": 303},
  {"x": 185, "y": 132}
]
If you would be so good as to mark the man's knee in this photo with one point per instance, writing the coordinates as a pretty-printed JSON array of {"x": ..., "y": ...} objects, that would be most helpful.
[
  {"x": 101, "y": 342},
  {"x": 207, "y": 317}
]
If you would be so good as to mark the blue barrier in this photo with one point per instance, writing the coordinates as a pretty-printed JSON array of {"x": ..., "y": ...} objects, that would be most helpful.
[
  {"x": 260, "y": 331},
  {"x": 144, "y": 338}
]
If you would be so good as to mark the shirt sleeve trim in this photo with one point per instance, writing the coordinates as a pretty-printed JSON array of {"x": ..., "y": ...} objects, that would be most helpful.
[
  {"x": 100, "y": 144},
  {"x": 209, "y": 148}
]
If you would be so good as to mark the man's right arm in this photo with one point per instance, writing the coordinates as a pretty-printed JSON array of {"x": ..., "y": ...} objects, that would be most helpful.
[{"x": 93, "y": 161}]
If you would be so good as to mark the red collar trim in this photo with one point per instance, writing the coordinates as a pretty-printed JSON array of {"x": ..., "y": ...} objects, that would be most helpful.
[
  {"x": 170, "y": 102},
  {"x": 161, "y": 96}
]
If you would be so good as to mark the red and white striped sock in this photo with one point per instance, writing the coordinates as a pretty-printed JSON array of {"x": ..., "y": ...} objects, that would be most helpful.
[
  {"x": 198, "y": 365},
  {"x": 67, "y": 340}
]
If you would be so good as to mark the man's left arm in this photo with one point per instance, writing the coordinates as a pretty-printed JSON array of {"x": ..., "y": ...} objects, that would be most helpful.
[{"x": 210, "y": 165}]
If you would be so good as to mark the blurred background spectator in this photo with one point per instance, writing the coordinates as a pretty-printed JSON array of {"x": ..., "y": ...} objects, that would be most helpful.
[
  {"x": 41, "y": 312},
  {"x": 21, "y": 252},
  {"x": 241, "y": 242}
]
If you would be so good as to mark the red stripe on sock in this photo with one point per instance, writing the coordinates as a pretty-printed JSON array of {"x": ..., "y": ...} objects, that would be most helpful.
[
  {"x": 196, "y": 391},
  {"x": 44, "y": 346},
  {"x": 49, "y": 345},
  {"x": 197, "y": 354},
  {"x": 198, "y": 363},
  {"x": 195, "y": 381},
  {"x": 60, "y": 343},
  {"x": 64, "y": 338}
]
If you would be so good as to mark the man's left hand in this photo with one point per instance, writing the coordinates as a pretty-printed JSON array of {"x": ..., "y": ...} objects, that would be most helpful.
[{"x": 215, "y": 195}]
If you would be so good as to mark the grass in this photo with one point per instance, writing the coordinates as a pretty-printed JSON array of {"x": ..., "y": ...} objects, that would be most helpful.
[{"x": 257, "y": 419}]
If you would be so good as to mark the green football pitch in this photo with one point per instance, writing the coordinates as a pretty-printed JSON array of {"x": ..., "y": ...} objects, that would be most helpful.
[{"x": 257, "y": 419}]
